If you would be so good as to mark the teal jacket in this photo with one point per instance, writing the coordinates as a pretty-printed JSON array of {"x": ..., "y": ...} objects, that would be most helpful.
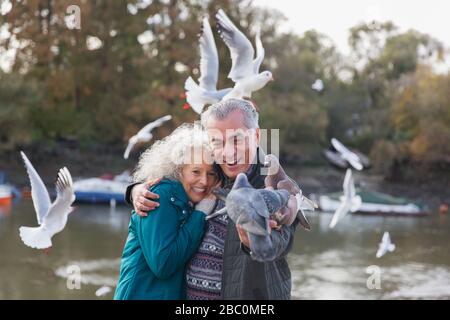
[{"x": 159, "y": 246}]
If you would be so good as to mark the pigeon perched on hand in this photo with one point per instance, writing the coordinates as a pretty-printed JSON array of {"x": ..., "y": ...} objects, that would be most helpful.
[
  {"x": 251, "y": 209},
  {"x": 245, "y": 67},
  {"x": 278, "y": 179}
]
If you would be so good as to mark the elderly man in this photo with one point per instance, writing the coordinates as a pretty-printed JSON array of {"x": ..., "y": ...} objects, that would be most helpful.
[{"x": 223, "y": 268}]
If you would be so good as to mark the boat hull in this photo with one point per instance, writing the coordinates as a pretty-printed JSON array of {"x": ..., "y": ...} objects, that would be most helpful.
[
  {"x": 372, "y": 203},
  {"x": 98, "y": 197},
  {"x": 97, "y": 190},
  {"x": 6, "y": 195}
]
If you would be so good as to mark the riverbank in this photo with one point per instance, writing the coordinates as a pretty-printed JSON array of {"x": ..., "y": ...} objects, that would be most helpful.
[
  {"x": 322, "y": 178},
  {"x": 81, "y": 162}
]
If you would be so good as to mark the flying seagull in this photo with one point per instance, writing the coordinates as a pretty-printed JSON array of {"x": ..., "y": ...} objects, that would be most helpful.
[
  {"x": 198, "y": 95},
  {"x": 385, "y": 245},
  {"x": 317, "y": 85},
  {"x": 347, "y": 155},
  {"x": 245, "y": 67},
  {"x": 144, "y": 135},
  {"x": 104, "y": 290},
  {"x": 51, "y": 217},
  {"x": 349, "y": 201}
]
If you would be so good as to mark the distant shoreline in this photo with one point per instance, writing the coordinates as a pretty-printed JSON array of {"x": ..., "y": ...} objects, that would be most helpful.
[{"x": 321, "y": 178}]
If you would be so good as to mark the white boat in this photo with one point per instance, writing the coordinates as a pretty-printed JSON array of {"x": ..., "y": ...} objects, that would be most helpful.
[
  {"x": 96, "y": 190},
  {"x": 376, "y": 203},
  {"x": 6, "y": 194}
]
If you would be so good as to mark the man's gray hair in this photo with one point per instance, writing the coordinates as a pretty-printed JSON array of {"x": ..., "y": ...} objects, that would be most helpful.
[{"x": 222, "y": 109}]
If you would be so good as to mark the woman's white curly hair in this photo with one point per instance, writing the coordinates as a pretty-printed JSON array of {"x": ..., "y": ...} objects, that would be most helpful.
[{"x": 166, "y": 157}]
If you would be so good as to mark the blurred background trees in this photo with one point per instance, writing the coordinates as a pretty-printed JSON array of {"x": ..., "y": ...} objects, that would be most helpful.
[{"x": 127, "y": 64}]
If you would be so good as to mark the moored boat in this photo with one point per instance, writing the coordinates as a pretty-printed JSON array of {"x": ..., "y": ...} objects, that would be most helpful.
[
  {"x": 98, "y": 190},
  {"x": 6, "y": 194},
  {"x": 376, "y": 203}
]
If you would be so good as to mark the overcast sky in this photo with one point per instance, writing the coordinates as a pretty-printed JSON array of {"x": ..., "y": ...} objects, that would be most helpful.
[{"x": 334, "y": 18}]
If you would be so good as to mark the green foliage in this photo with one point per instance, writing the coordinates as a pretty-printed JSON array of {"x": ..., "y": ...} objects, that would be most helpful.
[{"x": 128, "y": 63}]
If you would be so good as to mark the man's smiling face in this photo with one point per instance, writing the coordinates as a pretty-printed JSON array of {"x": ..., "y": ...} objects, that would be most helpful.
[{"x": 234, "y": 145}]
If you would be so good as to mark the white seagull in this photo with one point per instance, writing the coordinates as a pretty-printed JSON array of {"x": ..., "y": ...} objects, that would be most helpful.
[
  {"x": 144, "y": 135},
  {"x": 51, "y": 217},
  {"x": 317, "y": 85},
  {"x": 385, "y": 245},
  {"x": 245, "y": 68},
  {"x": 347, "y": 155},
  {"x": 104, "y": 290},
  {"x": 349, "y": 201},
  {"x": 198, "y": 95}
]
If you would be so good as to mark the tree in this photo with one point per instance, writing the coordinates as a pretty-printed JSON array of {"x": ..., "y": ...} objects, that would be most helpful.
[{"x": 382, "y": 55}]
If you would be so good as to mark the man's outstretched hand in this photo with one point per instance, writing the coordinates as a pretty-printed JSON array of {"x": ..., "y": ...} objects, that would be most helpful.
[{"x": 142, "y": 197}]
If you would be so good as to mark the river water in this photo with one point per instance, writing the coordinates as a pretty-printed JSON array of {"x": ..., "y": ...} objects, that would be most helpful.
[{"x": 325, "y": 264}]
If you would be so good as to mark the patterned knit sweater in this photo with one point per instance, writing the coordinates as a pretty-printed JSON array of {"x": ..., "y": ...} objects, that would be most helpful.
[{"x": 204, "y": 270}]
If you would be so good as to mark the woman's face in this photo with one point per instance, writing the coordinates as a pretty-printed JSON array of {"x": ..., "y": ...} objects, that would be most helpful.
[{"x": 197, "y": 180}]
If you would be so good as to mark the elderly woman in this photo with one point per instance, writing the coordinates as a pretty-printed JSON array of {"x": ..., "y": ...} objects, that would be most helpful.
[{"x": 159, "y": 246}]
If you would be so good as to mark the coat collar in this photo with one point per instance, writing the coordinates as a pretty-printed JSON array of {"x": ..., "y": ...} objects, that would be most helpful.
[{"x": 177, "y": 189}]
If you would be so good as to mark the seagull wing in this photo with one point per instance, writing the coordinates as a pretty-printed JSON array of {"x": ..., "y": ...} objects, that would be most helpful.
[
  {"x": 241, "y": 49},
  {"x": 339, "y": 146},
  {"x": 222, "y": 93},
  {"x": 130, "y": 146},
  {"x": 303, "y": 203},
  {"x": 56, "y": 218},
  {"x": 381, "y": 250},
  {"x": 260, "y": 52},
  {"x": 339, "y": 214},
  {"x": 354, "y": 161},
  {"x": 348, "y": 155},
  {"x": 386, "y": 238},
  {"x": 385, "y": 245},
  {"x": 348, "y": 185},
  {"x": 39, "y": 193},
  {"x": 209, "y": 59},
  {"x": 152, "y": 125}
]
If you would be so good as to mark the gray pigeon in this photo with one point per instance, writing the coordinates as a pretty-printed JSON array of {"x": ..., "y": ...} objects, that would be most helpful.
[
  {"x": 251, "y": 209},
  {"x": 278, "y": 179}
]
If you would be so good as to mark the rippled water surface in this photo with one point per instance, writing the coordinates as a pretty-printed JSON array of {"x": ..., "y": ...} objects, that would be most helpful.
[{"x": 325, "y": 264}]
